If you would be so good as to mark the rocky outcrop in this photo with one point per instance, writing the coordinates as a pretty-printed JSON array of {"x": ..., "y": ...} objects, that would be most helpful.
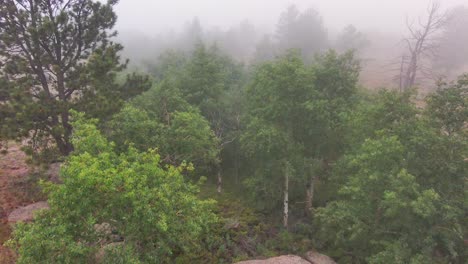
[
  {"x": 287, "y": 259},
  {"x": 26, "y": 213},
  {"x": 317, "y": 258},
  {"x": 311, "y": 257}
]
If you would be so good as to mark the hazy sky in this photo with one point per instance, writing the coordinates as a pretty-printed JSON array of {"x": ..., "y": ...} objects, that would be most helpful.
[{"x": 153, "y": 16}]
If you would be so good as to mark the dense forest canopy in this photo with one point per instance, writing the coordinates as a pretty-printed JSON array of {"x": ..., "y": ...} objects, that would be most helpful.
[{"x": 228, "y": 145}]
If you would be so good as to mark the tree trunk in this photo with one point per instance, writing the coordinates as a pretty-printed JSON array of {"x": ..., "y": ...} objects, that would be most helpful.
[
  {"x": 65, "y": 115},
  {"x": 310, "y": 194},
  {"x": 286, "y": 196},
  {"x": 220, "y": 180},
  {"x": 61, "y": 144},
  {"x": 236, "y": 165}
]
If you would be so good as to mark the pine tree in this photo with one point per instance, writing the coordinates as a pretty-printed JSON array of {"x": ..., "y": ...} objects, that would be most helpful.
[{"x": 56, "y": 55}]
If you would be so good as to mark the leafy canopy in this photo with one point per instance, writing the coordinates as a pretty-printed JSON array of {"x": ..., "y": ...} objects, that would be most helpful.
[
  {"x": 126, "y": 203},
  {"x": 400, "y": 195}
]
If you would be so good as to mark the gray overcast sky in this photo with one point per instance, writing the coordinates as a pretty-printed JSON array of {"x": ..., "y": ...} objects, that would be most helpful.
[{"x": 153, "y": 16}]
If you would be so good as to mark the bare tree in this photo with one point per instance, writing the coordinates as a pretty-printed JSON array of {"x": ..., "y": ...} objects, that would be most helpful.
[{"x": 422, "y": 42}]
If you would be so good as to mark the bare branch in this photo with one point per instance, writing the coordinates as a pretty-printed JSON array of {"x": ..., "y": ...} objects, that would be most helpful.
[{"x": 422, "y": 44}]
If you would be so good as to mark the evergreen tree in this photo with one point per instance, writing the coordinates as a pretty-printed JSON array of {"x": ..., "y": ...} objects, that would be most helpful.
[
  {"x": 303, "y": 31},
  {"x": 351, "y": 39},
  {"x": 56, "y": 55},
  {"x": 209, "y": 80}
]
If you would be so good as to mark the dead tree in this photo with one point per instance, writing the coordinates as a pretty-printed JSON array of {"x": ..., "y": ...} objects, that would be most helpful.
[{"x": 422, "y": 44}]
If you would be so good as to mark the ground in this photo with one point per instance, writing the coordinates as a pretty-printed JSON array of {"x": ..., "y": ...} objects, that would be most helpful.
[{"x": 17, "y": 188}]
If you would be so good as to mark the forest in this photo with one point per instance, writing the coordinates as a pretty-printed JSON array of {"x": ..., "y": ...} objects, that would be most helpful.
[{"x": 213, "y": 146}]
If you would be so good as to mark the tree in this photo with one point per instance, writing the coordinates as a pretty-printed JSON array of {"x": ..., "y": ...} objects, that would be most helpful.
[
  {"x": 400, "y": 198},
  {"x": 127, "y": 204},
  {"x": 286, "y": 25},
  {"x": 389, "y": 211},
  {"x": 447, "y": 108},
  {"x": 351, "y": 39},
  {"x": 275, "y": 106},
  {"x": 382, "y": 111},
  {"x": 192, "y": 35},
  {"x": 335, "y": 82},
  {"x": 421, "y": 44},
  {"x": 169, "y": 64},
  {"x": 190, "y": 138},
  {"x": 295, "y": 122},
  {"x": 265, "y": 50},
  {"x": 161, "y": 119},
  {"x": 379, "y": 204},
  {"x": 304, "y": 31},
  {"x": 163, "y": 99},
  {"x": 209, "y": 78},
  {"x": 57, "y": 55},
  {"x": 134, "y": 127},
  {"x": 238, "y": 41}
]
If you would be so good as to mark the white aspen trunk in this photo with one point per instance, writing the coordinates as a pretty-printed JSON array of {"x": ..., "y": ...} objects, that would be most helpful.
[
  {"x": 286, "y": 197},
  {"x": 220, "y": 181},
  {"x": 236, "y": 166},
  {"x": 310, "y": 194}
]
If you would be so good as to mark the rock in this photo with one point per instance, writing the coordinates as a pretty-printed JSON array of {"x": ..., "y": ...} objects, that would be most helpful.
[
  {"x": 317, "y": 258},
  {"x": 311, "y": 257},
  {"x": 26, "y": 213},
  {"x": 103, "y": 229},
  {"x": 107, "y": 233},
  {"x": 287, "y": 259}
]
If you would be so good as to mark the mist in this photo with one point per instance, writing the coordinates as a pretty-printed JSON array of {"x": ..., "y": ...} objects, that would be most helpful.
[
  {"x": 151, "y": 17},
  {"x": 233, "y": 131},
  {"x": 248, "y": 31}
]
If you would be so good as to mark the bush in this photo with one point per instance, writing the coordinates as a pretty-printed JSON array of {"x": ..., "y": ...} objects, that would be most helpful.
[{"x": 151, "y": 211}]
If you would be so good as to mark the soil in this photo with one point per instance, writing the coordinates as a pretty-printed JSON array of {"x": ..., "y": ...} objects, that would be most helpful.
[{"x": 16, "y": 189}]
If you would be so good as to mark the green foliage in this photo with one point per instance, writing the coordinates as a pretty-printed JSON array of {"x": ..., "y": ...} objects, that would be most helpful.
[
  {"x": 208, "y": 74},
  {"x": 178, "y": 136},
  {"x": 400, "y": 197},
  {"x": 385, "y": 110},
  {"x": 447, "y": 108},
  {"x": 296, "y": 112},
  {"x": 57, "y": 56},
  {"x": 152, "y": 212},
  {"x": 132, "y": 126},
  {"x": 273, "y": 111},
  {"x": 170, "y": 64},
  {"x": 161, "y": 101},
  {"x": 206, "y": 82},
  {"x": 335, "y": 83},
  {"x": 380, "y": 204},
  {"x": 190, "y": 138},
  {"x": 388, "y": 177}
]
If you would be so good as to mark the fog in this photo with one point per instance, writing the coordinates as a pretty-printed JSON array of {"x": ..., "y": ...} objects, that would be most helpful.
[
  {"x": 150, "y": 16},
  {"x": 248, "y": 31}
]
